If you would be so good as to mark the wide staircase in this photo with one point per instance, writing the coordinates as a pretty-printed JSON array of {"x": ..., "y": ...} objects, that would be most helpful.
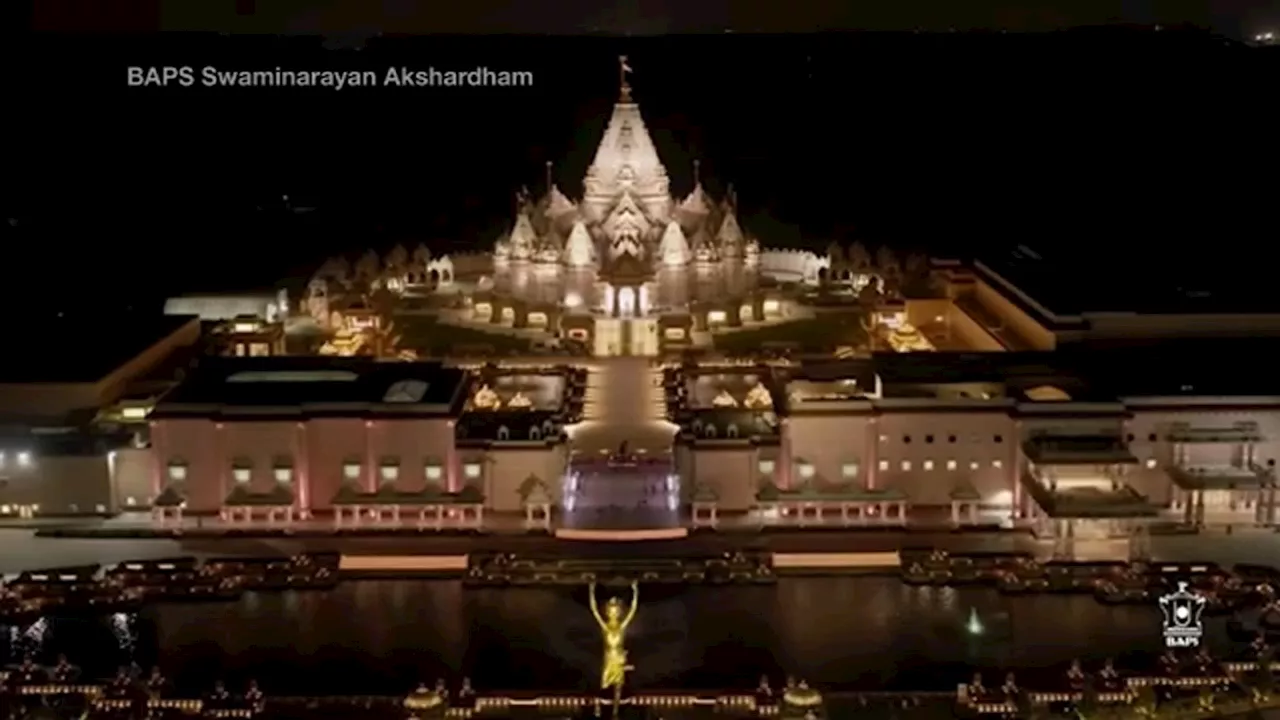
[
  {"x": 624, "y": 401},
  {"x": 593, "y": 395}
]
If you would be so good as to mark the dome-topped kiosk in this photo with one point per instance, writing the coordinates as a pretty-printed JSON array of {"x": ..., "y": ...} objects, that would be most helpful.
[
  {"x": 425, "y": 703},
  {"x": 801, "y": 702}
]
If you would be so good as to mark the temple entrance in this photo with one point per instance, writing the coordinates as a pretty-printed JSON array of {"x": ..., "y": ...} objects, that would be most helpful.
[
  {"x": 609, "y": 340},
  {"x": 642, "y": 337},
  {"x": 636, "y": 337},
  {"x": 621, "y": 491}
]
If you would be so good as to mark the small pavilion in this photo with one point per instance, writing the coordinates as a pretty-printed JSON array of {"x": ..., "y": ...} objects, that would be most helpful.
[
  {"x": 535, "y": 496},
  {"x": 388, "y": 507},
  {"x": 243, "y": 506},
  {"x": 705, "y": 504},
  {"x": 167, "y": 508},
  {"x": 964, "y": 504}
]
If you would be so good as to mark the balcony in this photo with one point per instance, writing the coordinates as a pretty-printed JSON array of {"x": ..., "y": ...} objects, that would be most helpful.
[
  {"x": 1099, "y": 497},
  {"x": 1052, "y": 449},
  {"x": 1220, "y": 477},
  {"x": 1242, "y": 432}
]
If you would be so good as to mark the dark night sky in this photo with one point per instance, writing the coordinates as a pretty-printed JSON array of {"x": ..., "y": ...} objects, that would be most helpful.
[{"x": 1122, "y": 143}]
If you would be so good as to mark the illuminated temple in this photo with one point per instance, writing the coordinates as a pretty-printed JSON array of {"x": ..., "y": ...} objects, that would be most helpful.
[{"x": 630, "y": 268}]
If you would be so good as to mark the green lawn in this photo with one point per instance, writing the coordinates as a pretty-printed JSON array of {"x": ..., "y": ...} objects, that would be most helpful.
[
  {"x": 821, "y": 334},
  {"x": 430, "y": 338}
]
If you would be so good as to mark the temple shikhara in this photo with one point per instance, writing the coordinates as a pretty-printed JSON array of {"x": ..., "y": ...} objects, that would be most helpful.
[{"x": 627, "y": 269}]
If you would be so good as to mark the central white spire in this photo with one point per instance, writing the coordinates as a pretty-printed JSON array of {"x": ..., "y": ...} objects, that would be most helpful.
[{"x": 626, "y": 160}]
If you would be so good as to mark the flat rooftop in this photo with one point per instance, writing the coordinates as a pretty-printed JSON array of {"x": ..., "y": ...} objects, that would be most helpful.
[
  {"x": 81, "y": 348},
  {"x": 281, "y": 382},
  {"x": 1073, "y": 284}
]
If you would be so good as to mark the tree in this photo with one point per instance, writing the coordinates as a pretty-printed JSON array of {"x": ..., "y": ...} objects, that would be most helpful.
[
  {"x": 836, "y": 254},
  {"x": 769, "y": 491},
  {"x": 470, "y": 494},
  {"x": 421, "y": 257},
  {"x": 859, "y": 258},
  {"x": 869, "y": 296},
  {"x": 398, "y": 258},
  {"x": 529, "y": 485},
  {"x": 368, "y": 267},
  {"x": 336, "y": 268},
  {"x": 886, "y": 261},
  {"x": 1146, "y": 703},
  {"x": 917, "y": 265}
]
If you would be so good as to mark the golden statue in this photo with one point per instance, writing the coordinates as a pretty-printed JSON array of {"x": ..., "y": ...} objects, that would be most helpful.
[{"x": 613, "y": 627}]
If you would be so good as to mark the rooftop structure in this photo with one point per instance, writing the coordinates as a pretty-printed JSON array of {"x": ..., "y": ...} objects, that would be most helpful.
[
  {"x": 85, "y": 363},
  {"x": 262, "y": 387}
]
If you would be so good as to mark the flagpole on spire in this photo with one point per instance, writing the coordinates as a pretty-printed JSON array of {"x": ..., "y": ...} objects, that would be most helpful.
[
  {"x": 623, "y": 70},
  {"x": 697, "y": 173},
  {"x": 548, "y": 176}
]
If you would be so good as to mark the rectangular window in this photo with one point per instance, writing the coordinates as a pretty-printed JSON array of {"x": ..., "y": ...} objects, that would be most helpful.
[
  {"x": 471, "y": 470},
  {"x": 177, "y": 472},
  {"x": 389, "y": 472},
  {"x": 284, "y": 475},
  {"x": 435, "y": 472},
  {"x": 241, "y": 475},
  {"x": 351, "y": 471},
  {"x": 951, "y": 464},
  {"x": 805, "y": 469},
  {"x": 849, "y": 471},
  {"x": 973, "y": 464},
  {"x": 767, "y": 467},
  {"x": 928, "y": 464},
  {"x": 906, "y": 466},
  {"x": 997, "y": 464},
  {"x": 884, "y": 466}
]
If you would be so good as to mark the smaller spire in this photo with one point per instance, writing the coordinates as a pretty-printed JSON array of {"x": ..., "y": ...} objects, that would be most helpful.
[
  {"x": 623, "y": 70},
  {"x": 697, "y": 173},
  {"x": 550, "y": 184}
]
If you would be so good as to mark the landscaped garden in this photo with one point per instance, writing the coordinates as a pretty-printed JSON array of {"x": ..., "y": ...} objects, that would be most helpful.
[
  {"x": 814, "y": 335},
  {"x": 429, "y": 337}
]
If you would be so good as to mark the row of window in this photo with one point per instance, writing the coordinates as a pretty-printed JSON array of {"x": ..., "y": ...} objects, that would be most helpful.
[
  {"x": 1151, "y": 437},
  {"x": 906, "y": 439},
  {"x": 849, "y": 471},
  {"x": 388, "y": 471}
]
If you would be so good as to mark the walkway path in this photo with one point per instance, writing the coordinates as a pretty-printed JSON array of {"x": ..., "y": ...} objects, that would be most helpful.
[{"x": 624, "y": 402}]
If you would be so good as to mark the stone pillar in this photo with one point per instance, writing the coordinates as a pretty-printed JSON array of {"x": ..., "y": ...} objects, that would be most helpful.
[
  {"x": 973, "y": 513},
  {"x": 1188, "y": 506},
  {"x": 451, "y": 460},
  {"x": 1271, "y": 506},
  {"x": 370, "y": 469},
  {"x": 786, "y": 464},
  {"x": 221, "y": 463},
  {"x": 873, "y": 453},
  {"x": 159, "y": 463},
  {"x": 1199, "y": 508},
  {"x": 955, "y": 513},
  {"x": 301, "y": 473}
]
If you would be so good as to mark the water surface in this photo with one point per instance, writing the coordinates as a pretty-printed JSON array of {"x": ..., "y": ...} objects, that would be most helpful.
[{"x": 385, "y": 636}]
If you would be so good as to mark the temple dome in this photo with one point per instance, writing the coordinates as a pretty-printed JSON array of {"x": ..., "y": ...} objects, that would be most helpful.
[
  {"x": 556, "y": 204},
  {"x": 730, "y": 235},
  {"x": 697, "y": 202},
  {"x": 523, "y": 238},
  {"x": 579, "y": 249},
  {"x": 674, "y": 248}
]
